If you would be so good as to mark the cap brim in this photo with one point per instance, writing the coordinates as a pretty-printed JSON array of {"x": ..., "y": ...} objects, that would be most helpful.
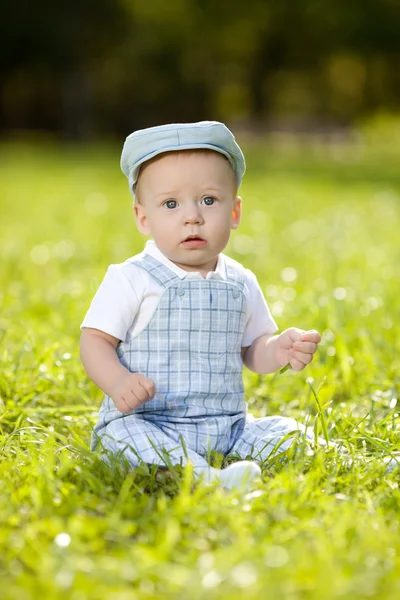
[{"x": 134, "y": 172}]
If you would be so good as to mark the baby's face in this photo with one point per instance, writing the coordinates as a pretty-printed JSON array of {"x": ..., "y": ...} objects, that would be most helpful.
[{"x": 188, "y": 204}]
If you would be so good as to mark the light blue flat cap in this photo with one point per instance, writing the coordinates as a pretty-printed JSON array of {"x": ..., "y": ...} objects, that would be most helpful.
[{"x": 142, "y": 145}]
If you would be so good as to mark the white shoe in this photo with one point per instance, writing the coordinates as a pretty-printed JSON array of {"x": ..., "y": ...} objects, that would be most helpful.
[{"x": 239, "y": 475}]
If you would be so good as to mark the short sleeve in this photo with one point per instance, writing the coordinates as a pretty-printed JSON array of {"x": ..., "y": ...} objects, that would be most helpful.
[
  {"x": 259, "y": 320},
  {"x": 114, "y": 305}
]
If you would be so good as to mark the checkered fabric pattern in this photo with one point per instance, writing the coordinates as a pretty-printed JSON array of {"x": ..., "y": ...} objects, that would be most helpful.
[{"x": 191, "y": 349}]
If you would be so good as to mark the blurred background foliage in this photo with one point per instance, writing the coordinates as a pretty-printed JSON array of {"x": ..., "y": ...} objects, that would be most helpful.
[{"x": 105, "y": 67}]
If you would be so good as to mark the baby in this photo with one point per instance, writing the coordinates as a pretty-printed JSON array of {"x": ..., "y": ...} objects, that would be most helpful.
[{"x": 169, "y": 330}]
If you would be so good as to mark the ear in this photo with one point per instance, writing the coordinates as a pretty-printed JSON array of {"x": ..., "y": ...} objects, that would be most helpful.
[
  {"x": 141, "y": 219},
  {"x": 236, "y": 213}
]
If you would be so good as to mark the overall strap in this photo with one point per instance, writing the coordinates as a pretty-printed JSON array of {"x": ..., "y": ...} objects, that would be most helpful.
[
  {"x": 234, "y": 272},
  {"x": 161, "y": 273}
]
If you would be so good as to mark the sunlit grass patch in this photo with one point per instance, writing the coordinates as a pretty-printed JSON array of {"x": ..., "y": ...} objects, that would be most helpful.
[{"x": 321, "y": 233}]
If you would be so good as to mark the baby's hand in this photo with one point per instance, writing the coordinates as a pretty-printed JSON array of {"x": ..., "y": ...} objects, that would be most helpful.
[
  {"x": 132, "y": 390},
  {"x": 296, "y": 347}
]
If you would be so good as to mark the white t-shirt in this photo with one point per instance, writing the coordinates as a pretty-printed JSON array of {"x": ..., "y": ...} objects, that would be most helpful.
[{"x": 128, "y": 297}]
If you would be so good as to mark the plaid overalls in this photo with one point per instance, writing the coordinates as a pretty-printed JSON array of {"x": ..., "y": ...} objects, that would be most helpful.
[{"x": 191, "y": 349}]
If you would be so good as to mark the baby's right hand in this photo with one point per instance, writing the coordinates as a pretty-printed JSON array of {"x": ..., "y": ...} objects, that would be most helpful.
[{"x": 132, "y": 390}]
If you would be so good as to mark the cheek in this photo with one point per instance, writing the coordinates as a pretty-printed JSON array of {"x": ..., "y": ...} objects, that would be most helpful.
[
  {"x": 225, "y": 218},
  {"x": 163, "y": 222},
  {"x": 163, "y": 225},
  {"x": 221, "y": 230}
]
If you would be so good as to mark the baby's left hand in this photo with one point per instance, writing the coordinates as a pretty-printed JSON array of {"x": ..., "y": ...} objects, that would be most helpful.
[{"x": 296, "y": 347}]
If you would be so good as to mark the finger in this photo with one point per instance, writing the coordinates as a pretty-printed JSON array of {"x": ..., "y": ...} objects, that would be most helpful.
[
  {"x": 289, "y": 336},
  {"x": 127, "y": 404},
  {"x": 311, "y": 336},
  {"x": 307, "y": 347},
  {"x": 145, "y": 381},
  {"x": 147, "y": 389},
  {"x": 148, "y": 385},
  {"x": 140, "y": 394},
  {"x": 301, "y": 357},
  {"x": 296, "y": 365}
]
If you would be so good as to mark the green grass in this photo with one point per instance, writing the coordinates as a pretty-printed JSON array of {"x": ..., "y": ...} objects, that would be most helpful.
[{"x": 321, "y": 231}]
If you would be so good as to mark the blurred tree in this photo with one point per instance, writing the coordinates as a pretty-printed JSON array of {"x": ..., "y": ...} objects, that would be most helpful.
[
  {"x": 47, "y": 54},
  {"x": 115, "y": 65}
]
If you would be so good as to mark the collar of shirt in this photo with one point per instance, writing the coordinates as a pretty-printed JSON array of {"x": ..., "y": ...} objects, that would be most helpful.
[{"x": 152, "y": 250}]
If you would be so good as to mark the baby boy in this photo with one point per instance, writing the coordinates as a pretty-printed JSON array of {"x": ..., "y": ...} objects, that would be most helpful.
[{"x": 169, "y": 330}]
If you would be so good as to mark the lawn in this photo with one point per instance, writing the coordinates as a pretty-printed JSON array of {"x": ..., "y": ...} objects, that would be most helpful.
[{"x": 321, "y": 231}]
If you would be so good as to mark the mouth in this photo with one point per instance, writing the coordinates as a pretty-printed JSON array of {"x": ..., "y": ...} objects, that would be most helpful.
[{"x": 194, "y": 241}]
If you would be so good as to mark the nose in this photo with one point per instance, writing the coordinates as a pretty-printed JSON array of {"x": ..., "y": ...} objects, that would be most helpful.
[{"x": 193, "y": 215}]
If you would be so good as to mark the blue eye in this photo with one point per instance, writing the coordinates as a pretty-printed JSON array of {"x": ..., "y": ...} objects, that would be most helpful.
[
  {"x": 171, "y": 204},
  {"x": 208, "y": 201}
]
